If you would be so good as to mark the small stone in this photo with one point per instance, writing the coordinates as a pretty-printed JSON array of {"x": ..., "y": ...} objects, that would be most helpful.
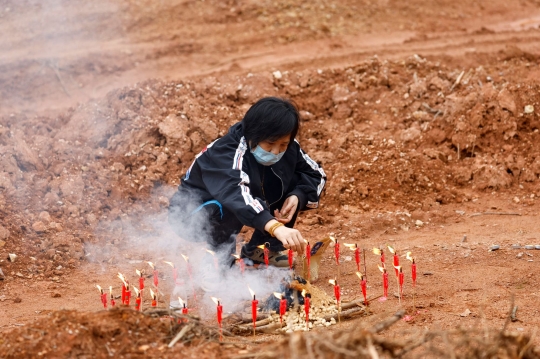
[
  {"x": 529, "y": 246},
  {"x": 537, "y": 246},
  {"x": 516, "y": 200},
  {"x": 12, "y": 257},
  {"x": 466, "y": 313},
  {"x": 494, "y": 248},
  {"x": 39, "y": 227},
  {"x": 528, "y": 109},
  {"x": 516, "y": 246},
  {"x": 57, "y": 295},
  {"x": 277, "y": 75},
  {"x": 19, "y": 274},
  {"x": 45, "y": 217},
  {"x": 464, "y": 239},
  {"x": 519, "y": 255},
  {"x": 4, "y": 233},
  {"x": 2, "y": 243},
  {"x": 2, "y": 277},
  {"x": 419, "y": 223},
  {"x": 327, "y": 324},
  {"x": 332, "y": 321}
]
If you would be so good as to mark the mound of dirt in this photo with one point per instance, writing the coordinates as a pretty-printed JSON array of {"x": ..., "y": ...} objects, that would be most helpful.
[
  {"x": 117, "y": 332},
  {"x": 392, "y": 136}
]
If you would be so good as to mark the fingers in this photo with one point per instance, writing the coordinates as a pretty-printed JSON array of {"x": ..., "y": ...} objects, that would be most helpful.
[{"x": 280, "y": 218}]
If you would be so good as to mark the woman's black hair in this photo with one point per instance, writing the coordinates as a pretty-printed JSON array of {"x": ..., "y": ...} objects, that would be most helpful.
[{"x": 269, "y": 119}]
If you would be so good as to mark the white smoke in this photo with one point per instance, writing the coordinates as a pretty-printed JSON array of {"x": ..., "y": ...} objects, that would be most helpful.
[{"x": 154, "y": 240}]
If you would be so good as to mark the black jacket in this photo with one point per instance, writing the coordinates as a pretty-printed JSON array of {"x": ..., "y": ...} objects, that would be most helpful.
[{"x": 226, "y": 171}]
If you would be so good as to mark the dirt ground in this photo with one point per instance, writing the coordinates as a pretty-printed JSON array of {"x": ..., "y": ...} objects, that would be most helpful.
[{"x": 424, "y": 115}]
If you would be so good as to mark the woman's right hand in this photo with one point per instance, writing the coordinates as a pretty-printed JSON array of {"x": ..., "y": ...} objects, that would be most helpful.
[{"x": 291, "y": 239}]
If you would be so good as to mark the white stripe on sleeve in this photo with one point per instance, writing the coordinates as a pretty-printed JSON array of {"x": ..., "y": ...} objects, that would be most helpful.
[
  {"x": 244, "y": 178},
  {"x": 317, "y": 168}
]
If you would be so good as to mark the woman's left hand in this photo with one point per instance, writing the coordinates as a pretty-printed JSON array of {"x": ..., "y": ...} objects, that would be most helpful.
[{"x": 288, "y": 210}]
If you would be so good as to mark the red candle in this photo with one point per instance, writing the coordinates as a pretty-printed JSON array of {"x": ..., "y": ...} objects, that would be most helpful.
[
  {"x": 137, "y": 299},
  {"x": 396, "y": 259},
  {"x": 124, "y": 287},
  {"x": 290, "y": 258},
  {"x": 385, "y": 284},
  {"x": 123, "y": 297},
  {"x": 113, "y": 303},
  {"x": 379, "y": 252},
  {"x": 363, "y": 286},
  {"x": 308, "y": 260},
  {"x": 307, "y": 296},
  {"x": 219, "y": 313},
  {"x": 401, "y": 280},
  {"x": 282, "y": 308},
  {"x": 240, "y": 262},
  {"x": 184, "y": 310},
  {"x": 357, "y": 257},
  {"x": 128, "y": 295},
  {"x": 266, "y": 255},
  {"x": 254, "y": 304},
  {"x": 413, "y": 272},
  {"x": 153, "y": 296},
  {"x": 103, "y": 296},
  {"x": 337, "y": 292}
]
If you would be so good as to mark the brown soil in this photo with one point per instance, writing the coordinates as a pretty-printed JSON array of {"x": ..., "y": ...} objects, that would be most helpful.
[{"x": 419, "y": 114}]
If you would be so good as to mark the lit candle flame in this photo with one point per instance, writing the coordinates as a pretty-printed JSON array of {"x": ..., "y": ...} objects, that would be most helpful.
[
  {"x": 251, "y": 291},
  {"x": 304, "y": 293},
  {"x": 261, "y": 246},
  {"x": 333, "y": 239},
  {"x": 110, "y": 289},
  {"x": 123, "y": 279},
  {"x": 186, "y": 258},
  {"x": 377, "y": 251},
  {"x": 236, "y": 256},
  {"x": 151, "y": 265},
  {"x": 216, "y": 300},
  {"x": 211, "y": 252},
  {"x": 152, "y": 294},
  {"x": 182, "y": 303},
  {"x": 99, "y": 288},
  {"x": 139, "y": 273},
  {"x": 136, "y": 291},
  {"x": 360, "y": 275},
  {"x": 278, "y": 295},
  {"x": 332, "y": 281},
  {"x": 351, "y": 246},
  {"x": 391, "y": 249},
  {"x": 169, "y": 263},
  {"x": 409, "y": 257},
  {"x": 398, "y": 268},
  {"x": 382, "y": 269}
]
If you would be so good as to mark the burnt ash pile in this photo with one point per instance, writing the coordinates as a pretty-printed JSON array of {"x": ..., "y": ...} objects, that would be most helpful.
[{"x": 403, "y": 136}]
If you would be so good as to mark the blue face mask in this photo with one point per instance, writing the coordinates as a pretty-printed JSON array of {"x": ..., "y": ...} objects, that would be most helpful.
[{"x": 266, "y": 158}]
